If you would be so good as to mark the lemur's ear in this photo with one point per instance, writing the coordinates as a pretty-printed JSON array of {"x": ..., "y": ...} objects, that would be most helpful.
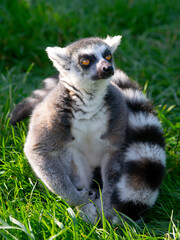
[
  {"x": 113, "y": 42},
  {"x": 58, "y": 56}
]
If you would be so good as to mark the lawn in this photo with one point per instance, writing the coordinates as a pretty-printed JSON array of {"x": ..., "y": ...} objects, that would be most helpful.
[{"x": 149, "y": 53}]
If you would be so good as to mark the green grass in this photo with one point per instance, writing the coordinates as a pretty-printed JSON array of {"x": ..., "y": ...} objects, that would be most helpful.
[{"x": 149, "y": 53}]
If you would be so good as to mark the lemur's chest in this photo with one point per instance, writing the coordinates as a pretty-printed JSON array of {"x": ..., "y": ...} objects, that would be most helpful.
[{"x": 88, "y": 144}]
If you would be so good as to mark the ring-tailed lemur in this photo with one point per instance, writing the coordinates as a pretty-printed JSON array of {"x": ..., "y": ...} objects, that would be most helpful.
[{"x": 93, "y": 122}]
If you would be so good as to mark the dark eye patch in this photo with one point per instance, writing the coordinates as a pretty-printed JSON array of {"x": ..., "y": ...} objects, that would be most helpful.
[
  {"x": 82, "y": 57},
  {"x": 106, "y": 53}
]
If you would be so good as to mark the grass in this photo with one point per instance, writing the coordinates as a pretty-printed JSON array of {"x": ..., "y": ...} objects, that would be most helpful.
[{"x": 148, "y": 53}]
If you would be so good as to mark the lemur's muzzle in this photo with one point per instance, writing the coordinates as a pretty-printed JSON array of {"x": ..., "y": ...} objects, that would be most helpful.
[{"x": 104, "y": 69}]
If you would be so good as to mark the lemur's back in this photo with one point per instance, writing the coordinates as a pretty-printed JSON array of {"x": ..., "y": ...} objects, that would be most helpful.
[
  {"x": 24, "y": 109},
  {"x": 86, "y": 127}
]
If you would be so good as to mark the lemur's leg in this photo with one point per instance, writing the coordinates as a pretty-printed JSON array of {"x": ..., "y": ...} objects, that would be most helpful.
[
  {"x": 47, "y": 147},
  {"x": 57, "y": 171},
  {"x": 110, "y": 172}
]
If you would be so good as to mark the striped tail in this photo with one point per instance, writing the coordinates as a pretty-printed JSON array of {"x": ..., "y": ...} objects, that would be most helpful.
[
  {"x": 144, "y": 157},
  {"x": 25, "y": 108}
]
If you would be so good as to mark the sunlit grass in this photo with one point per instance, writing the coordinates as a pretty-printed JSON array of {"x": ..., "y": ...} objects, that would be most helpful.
[{"x": 149, "y": 53}]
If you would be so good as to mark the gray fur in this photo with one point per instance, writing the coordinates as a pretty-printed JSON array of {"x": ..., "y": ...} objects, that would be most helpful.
[
  {"x": 81, "y": 123},
  {"x": 25, "y": 108}
]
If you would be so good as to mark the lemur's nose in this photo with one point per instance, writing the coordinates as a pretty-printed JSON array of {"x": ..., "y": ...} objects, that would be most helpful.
[
  {"x": 104, "y": 70},
  {"x": 108, "y": 69}
]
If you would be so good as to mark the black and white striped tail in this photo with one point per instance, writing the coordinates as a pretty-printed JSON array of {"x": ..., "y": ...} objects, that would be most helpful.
[
  {"x": 144, "y": 153},
  {"x": 25, "y": 108}
]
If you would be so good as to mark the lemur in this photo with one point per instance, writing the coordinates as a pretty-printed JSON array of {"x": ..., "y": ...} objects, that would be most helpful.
[{"x": 93, "y": 122}]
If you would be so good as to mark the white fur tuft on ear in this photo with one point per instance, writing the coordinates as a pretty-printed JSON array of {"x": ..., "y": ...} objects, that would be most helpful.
[
  {"x": 113, "y": 42},
  {"x": 58, "y": 56}
]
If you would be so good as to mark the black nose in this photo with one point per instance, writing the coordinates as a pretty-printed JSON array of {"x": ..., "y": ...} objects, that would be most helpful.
[
  {"x": 104, "y": 70},
  {"x": 108, "y": 69}
]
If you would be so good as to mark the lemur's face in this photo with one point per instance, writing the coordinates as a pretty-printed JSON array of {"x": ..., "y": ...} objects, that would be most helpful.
[
  {"x": 93, "y": 63},
  {"x": 87, "y": 60}
]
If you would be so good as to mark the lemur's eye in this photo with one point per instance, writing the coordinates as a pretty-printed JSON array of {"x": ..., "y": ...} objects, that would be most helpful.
[
  {"x": 108, "y": 57},
  {"x": 85, "y": 62}
]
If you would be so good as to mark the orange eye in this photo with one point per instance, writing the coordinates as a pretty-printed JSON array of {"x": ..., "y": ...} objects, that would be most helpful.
[
  {"x": 108, "y": 57},
  {"x": 85, "y": 62}
]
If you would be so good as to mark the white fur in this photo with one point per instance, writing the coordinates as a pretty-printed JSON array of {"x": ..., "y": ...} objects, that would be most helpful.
[
  {"x": 50, "y": 83},
  {"x": 40, "y": 93},
  {"x": 31, "y": 100},
  {"x": 93, "y": 50},
  {"x": 58, "y": 56},
  {"x": 113, "y": 42},
  {"x": 139, "y": 151},
  {"x": 84, "y": 84},
  {"x": 135, "y": 95},
  {"x": 88, "y": 149},
  {"x": 127, "y": 193},
  {"x": 139, "y": 120},
  {"x": 120, "y": 75}
]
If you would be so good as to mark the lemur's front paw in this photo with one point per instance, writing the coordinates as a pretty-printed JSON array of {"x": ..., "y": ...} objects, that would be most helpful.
[
  {"x": 88, "y": 212},
  {"x": 87, "y": 194}
]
